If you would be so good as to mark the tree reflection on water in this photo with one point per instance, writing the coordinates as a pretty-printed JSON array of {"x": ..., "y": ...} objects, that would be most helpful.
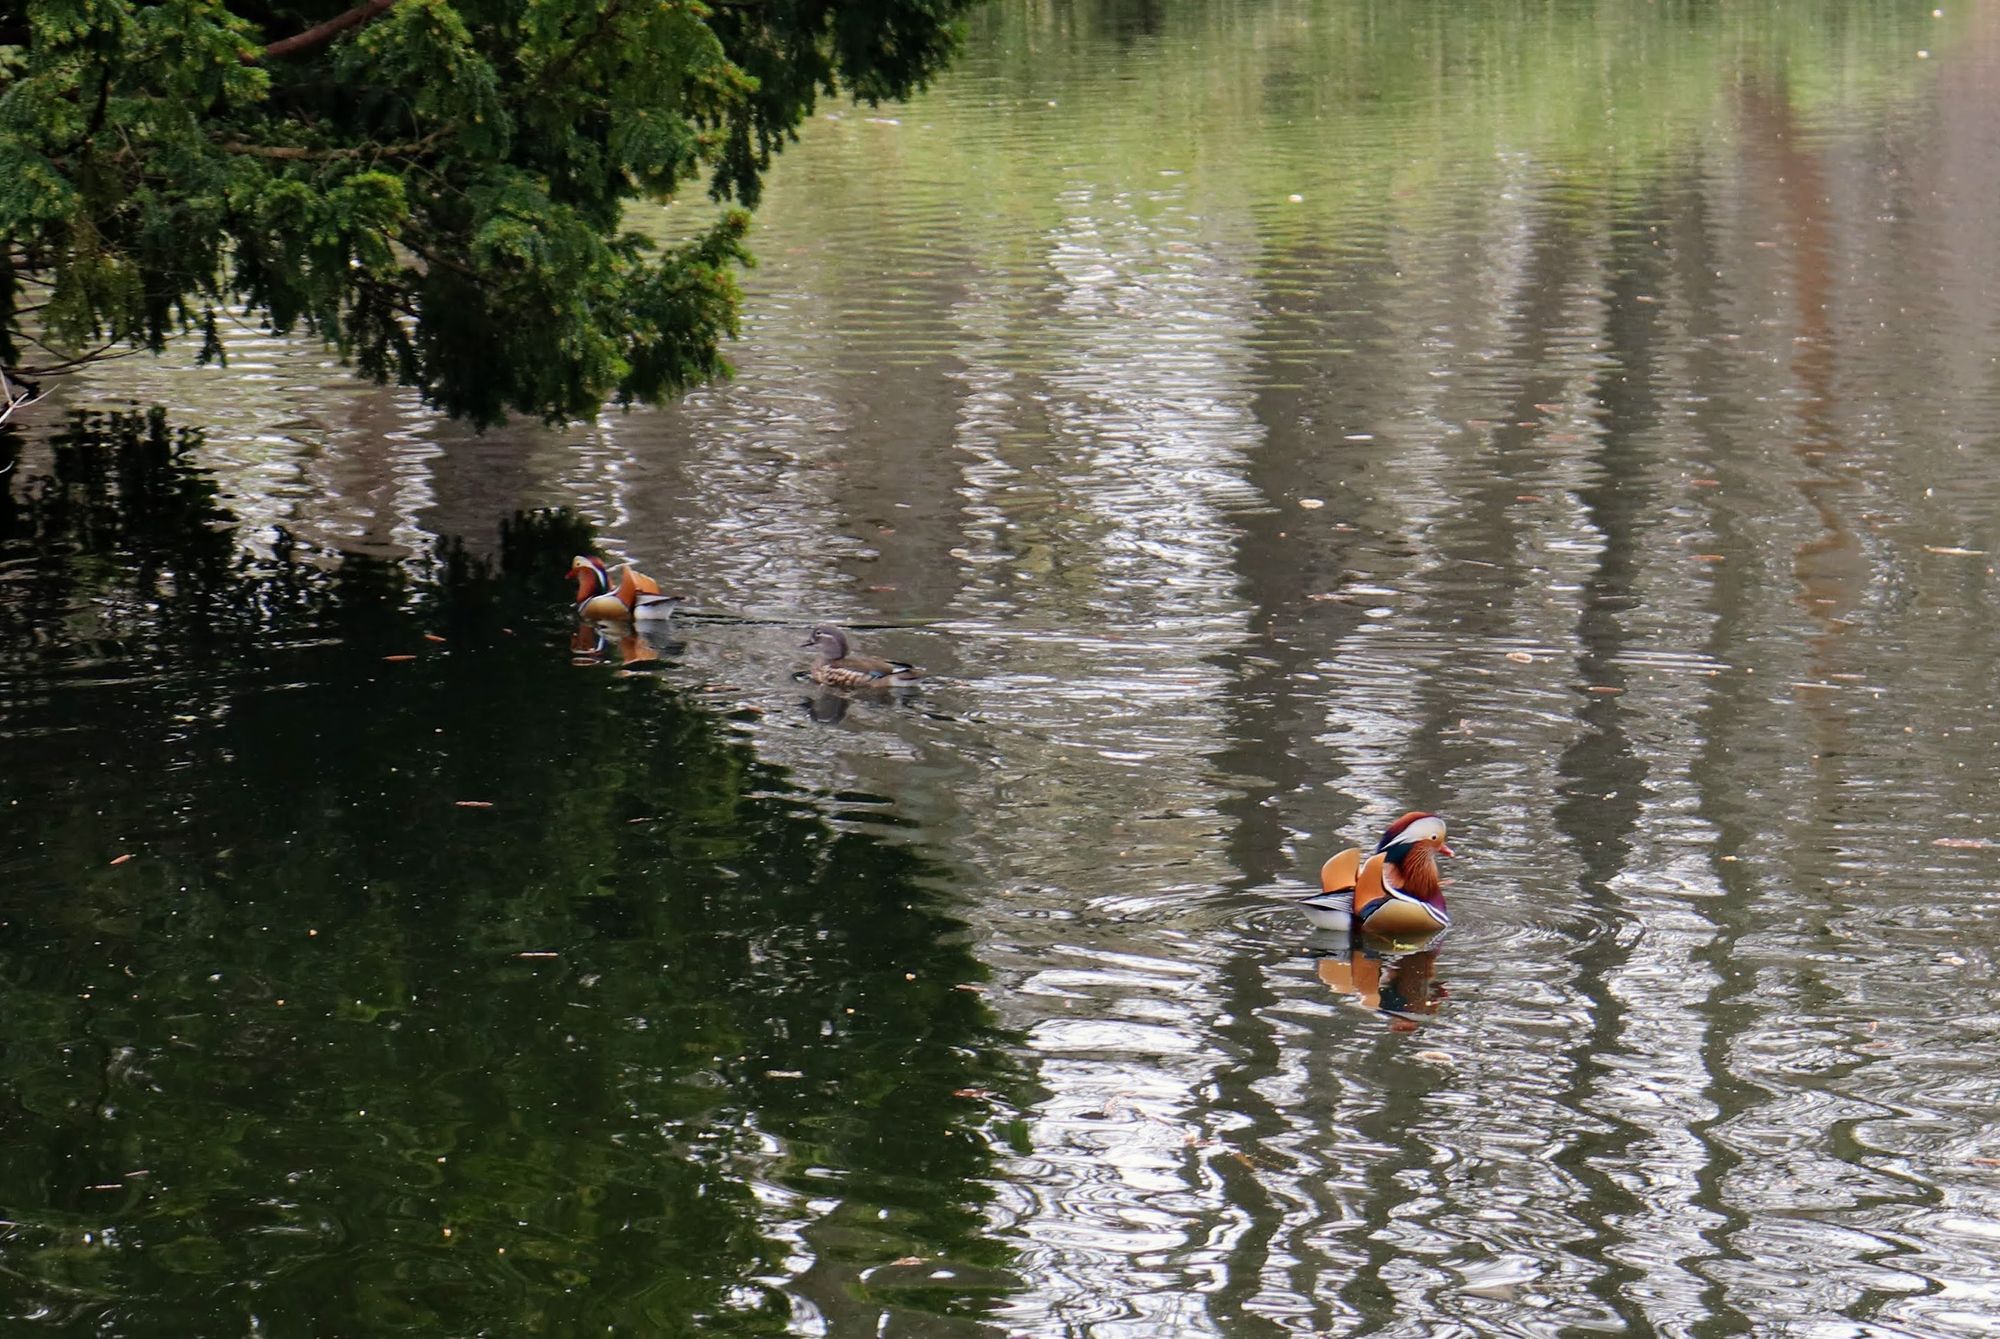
[{"x": 369, "y": 967}]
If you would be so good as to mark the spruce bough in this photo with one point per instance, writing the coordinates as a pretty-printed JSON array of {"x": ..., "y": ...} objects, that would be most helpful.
[{"x": 437, "y": 188}]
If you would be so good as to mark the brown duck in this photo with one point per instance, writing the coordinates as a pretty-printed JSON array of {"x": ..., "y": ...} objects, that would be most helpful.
[{"x": 837, "y": 668}]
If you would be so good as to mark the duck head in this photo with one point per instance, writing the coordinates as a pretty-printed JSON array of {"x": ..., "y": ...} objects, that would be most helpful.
[
  {"x": 1412, "y": 844},
  {"x": 590, "y": 576},
  {"x": 829, "y": 642}
]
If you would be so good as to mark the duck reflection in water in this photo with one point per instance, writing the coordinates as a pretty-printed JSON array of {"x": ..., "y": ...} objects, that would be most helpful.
[
  {"x": 632, "y": 646},
  {"x": 826, "y": 708},
  {"x": 831, "y": 708},
  {"x": 1395, "y": 976}
]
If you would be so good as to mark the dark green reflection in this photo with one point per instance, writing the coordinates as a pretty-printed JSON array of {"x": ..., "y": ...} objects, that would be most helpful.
[{"x": 336, "y": 1053}]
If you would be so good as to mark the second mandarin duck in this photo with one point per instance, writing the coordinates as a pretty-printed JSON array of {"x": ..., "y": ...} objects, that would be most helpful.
[
  {"x": 1396, "y": 890},
  {"x": 839, "y": 668},
  {"x": 634, "y": 595}
]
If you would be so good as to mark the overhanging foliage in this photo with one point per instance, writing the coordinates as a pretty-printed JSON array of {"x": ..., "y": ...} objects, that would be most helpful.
[{"x": 434, "y": 187}]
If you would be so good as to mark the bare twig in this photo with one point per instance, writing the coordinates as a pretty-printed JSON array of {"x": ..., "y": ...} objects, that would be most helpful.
[{"x": 15, "y": 395}]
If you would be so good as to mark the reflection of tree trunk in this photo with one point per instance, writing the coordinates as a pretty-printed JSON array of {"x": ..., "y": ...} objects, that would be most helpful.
[
  {"x": 1272, "y": 716},
  {"x": 1601, "y": 778},
  {"x": 1829, "y": 570},
  {"x": 1275, "y": 711}
]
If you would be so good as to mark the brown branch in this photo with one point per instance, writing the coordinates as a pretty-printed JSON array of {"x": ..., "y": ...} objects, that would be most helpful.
[
  {"x": 430, "y": 257},
  {"x": 301, "y": 152},
  {"x": 562, "y": 62},
  {"x": 103, "y": 353},
  {"x": 318, "y": 36}
]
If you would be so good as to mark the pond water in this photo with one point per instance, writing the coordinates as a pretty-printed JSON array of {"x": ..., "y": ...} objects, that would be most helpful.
[{"x": 1581, "y": 420}]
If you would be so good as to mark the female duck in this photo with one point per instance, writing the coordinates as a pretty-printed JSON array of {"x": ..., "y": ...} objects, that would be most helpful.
[
  {"x": 1395, "y": 891},
  {"x": 838, "y": 669},
  {"x": 635, "y": 595}
]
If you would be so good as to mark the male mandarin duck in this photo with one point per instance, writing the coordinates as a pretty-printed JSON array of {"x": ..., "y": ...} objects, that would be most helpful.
[
  {"x": 635, "y": 595},
  {"x": 1395, "y": 891},
  {"x": 838, "y": 669}
]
